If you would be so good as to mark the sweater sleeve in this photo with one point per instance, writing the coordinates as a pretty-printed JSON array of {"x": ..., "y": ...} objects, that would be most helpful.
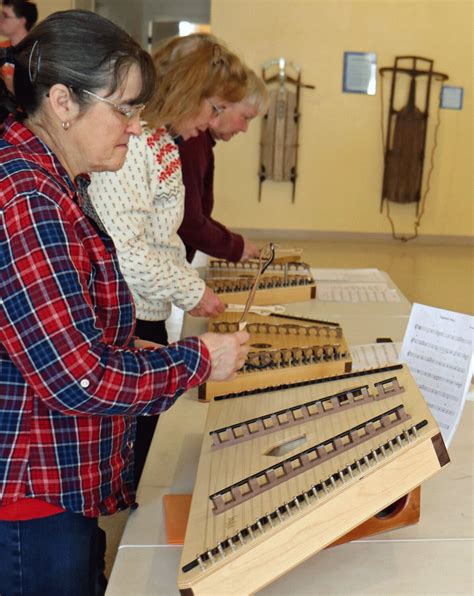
[
  {"x": 138, "y": 212},
  {"x": 198, "y": 229}
]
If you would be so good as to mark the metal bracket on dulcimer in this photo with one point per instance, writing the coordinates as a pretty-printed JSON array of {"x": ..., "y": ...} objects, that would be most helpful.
[
  {"x": 405, "y": 141},
  {"x": 283, "y": 281},
  {"x": 279, "y": 133},
  {"x": 283, "y": 350},
  {"x": 301, "y": 466}
]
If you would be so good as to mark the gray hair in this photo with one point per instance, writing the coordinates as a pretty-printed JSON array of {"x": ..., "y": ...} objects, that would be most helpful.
[{"x": 256, "y": 94}]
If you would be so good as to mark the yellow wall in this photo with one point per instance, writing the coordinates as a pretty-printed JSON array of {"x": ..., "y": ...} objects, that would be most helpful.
[{"x": 340, "y": 156}]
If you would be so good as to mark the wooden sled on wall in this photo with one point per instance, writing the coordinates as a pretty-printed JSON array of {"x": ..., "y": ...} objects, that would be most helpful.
[
  {"x": 280, "y": 125},
  {"x": 405, "y": 142}
]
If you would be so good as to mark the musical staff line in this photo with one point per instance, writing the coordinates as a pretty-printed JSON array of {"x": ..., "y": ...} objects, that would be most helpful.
[
  {"x": 439, "y": 393},
  {"x": 456, "y": 338},
  {"x": 438, "y": 378},
  {"x": 441, "y": 349},
  {"x": 434, "y": 361}
]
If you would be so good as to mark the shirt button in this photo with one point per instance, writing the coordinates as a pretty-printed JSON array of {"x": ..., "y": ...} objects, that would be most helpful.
[{"x": 85, "y": 383}]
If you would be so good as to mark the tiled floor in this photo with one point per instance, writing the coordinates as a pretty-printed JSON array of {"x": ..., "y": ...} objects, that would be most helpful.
[{"x": 441, "y": 276}]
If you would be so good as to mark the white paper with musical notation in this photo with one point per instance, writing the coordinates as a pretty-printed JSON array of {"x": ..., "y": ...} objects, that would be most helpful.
[
  {"x": 353, "y": 286},
  {"x": 438, "y": 348},
  {"x": 368, "y": 356},
  {"x": 354, "y": 293}
]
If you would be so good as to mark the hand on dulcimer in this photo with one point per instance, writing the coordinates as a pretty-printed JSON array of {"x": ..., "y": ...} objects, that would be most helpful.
[{"x": 228, "y": 353}]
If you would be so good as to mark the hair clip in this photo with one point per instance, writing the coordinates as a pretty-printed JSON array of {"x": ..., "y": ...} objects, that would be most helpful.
[
  {"x": 38, "y": 62},
  {"x": 217, "y": 56}
]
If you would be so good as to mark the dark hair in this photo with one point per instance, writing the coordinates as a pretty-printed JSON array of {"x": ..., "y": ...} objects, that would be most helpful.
[
  {"x": 8, "y": 105},
  {"x": 79, "y": 49},
  {"x": 23, "y": 9}
]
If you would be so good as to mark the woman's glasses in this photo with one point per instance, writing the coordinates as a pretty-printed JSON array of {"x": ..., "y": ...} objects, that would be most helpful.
[
  {"x": 217, "y": 110},
  {"x": 129, "y": 112}
]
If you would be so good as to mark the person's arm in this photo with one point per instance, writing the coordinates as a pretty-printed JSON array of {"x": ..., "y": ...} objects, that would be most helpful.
[
  {"x": 49, "y": 328},
  {"x": 198, "y": 229},
  {"x": 126, "y": 202}
]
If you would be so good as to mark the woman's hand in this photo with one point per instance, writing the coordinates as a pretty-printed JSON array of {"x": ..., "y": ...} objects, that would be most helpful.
[
  {"x": 251, "y": 251},
  {"x": 210, "y": 305},
  {"x": 228, "y": 353}
]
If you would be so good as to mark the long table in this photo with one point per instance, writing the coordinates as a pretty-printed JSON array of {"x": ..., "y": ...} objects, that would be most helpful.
[{"x": 433, "y": 557}]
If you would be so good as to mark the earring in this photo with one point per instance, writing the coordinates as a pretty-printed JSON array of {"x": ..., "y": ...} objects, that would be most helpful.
[{"x": 66, "y": 125}]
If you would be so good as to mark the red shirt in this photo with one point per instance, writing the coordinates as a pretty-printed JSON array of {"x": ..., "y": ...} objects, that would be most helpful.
[{"x": 199, "y": 231}]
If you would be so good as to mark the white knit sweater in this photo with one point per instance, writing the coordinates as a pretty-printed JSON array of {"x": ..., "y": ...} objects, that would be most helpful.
[{"x": 141, "y": 207}]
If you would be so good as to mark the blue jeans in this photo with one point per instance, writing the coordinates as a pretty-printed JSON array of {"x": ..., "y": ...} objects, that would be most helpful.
[{"x": 49, "y": 556}]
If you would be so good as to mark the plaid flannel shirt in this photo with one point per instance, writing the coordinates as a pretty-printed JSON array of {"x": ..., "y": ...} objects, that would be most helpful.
[{"x": 70, "y": 382}]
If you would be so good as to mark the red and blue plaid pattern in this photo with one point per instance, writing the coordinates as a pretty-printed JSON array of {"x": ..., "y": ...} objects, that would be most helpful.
[{"x": 70, "y": 383}]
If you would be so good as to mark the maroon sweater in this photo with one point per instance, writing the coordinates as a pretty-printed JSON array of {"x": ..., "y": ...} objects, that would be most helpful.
[{"x": 198, "y": 230}]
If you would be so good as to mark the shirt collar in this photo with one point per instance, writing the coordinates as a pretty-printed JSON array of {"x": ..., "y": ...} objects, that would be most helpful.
[{"x": 17, "y": 134}]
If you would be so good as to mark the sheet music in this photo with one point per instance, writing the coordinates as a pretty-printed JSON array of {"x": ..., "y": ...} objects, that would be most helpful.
[
  {"x": 348, "y": 275},
  {"x": 367, "y": 356},
  {"x": 438, "y": 348},
  {"x": 356, "y": 292}
]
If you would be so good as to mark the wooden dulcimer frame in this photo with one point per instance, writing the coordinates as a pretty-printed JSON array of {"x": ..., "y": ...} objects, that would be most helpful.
[
  {"x": 283, "y": 349},
  {"x": 283, "y": 281},
  {"x": 284, "y": 473}
]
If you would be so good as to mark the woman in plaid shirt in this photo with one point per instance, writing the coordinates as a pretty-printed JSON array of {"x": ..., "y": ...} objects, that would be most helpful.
[{"x": 71, "y": 378}]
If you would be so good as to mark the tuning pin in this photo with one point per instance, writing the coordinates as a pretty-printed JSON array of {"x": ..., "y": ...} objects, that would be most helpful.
[
  {"x": 201, "y": 564},
  {"x": 211, "y": 556},
  {"x": 221, "y": 550}
]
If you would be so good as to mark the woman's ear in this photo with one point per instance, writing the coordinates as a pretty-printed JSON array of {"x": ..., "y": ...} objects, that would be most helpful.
[{"x": 62, "y": 103}]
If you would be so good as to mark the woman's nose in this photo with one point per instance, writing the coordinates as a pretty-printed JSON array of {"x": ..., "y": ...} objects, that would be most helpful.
[{"x": 134, "y": 126}]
